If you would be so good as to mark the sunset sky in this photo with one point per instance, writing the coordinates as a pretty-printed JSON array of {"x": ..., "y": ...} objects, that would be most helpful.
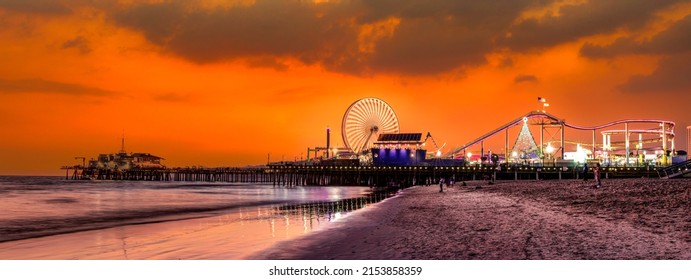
[{"x": 226, "y": 83}]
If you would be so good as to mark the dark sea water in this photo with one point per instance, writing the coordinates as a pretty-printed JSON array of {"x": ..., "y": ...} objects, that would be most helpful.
[{"x": 44, "y": 206}]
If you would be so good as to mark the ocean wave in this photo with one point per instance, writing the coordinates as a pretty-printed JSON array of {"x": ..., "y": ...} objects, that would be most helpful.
[{"x": 18, "y": 229}]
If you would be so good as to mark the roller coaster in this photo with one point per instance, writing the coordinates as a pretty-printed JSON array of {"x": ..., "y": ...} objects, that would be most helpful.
[{"x": 554, "y": 128}]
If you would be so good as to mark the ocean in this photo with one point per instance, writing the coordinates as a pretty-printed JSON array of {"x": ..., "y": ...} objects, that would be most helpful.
[{"x": 40, "y": 215}]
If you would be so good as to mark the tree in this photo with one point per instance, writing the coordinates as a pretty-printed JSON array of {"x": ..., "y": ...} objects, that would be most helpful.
[{"x": 525, "y": 146}]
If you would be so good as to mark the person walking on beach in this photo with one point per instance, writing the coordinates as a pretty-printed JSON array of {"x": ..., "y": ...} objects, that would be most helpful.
[
  {"x": 596, "y": 171},
  {"x": 585, "y": 172},
  {"x": 441, "y": 185}
]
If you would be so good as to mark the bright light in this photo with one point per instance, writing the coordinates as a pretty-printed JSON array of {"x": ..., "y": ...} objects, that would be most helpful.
[
  {"x": 580, "y": 155},
  {"x": 469, "y": 155},
  {"x": 514, "y": 154},
  {"x": 545, "y": 105},
  {"x": 549, "y": 148},
  {"x": 438, "y": 153}
]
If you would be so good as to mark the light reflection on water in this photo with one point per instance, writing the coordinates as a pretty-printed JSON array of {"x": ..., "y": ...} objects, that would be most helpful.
[
  {"x": 234, "y": 234},
  {"x": 44, "y": 206}
]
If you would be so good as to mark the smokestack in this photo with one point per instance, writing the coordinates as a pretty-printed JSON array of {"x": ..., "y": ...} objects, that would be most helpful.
[{"x": 328, "y": 141}]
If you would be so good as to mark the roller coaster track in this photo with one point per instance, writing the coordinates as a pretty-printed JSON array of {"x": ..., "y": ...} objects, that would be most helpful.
[{"x": 557, "y": 121}]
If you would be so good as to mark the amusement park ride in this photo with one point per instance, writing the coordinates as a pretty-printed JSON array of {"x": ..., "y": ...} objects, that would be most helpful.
[
  {"x": 371, "y": 134},
  {"x": 377, "y": 153}
]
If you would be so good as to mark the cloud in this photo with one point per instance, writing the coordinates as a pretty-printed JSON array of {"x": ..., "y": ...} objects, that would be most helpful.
[
  {"x": 672, "y": 75},
  {"x": 579, "y": 20},
  {"x": 173, "y": 97},
  {"x": 506, "y": 63},
  {"x": 673, "y": 45},
  {"x": 583, "y": 19},
  {"x": 674, "y": 40},
  {"x": 269, "y": 27},
  {"x": 44, "y": 86},
  {"x": 44, "y": 7},
  {"x": 80, "y": 43},
  {"x": 525, "y": 78},
  {"x": 412, "y": 37}
]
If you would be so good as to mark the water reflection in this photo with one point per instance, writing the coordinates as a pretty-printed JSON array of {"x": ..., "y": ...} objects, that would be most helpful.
[
  {"x": 311, "y": 214},
  {"x": 232, "y": 235},
  {"x": 331, "y": 210}
]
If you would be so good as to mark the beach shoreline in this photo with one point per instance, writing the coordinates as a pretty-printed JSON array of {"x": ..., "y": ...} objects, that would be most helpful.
[
  {"x": 510, "y": 220},
  {"x": 229, "y": 232}
]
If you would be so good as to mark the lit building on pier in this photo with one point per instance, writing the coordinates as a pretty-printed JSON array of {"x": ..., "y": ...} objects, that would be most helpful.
[{"x": 124, "y": 161}]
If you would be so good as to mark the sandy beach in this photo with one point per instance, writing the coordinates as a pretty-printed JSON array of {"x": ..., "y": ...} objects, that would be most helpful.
[{"x": 569, "y": 219}]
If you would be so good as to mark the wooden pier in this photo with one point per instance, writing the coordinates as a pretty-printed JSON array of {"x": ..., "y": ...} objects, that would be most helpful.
[
  {"x": 230, "y": 174},
  {"x": 321, "y": 175}
]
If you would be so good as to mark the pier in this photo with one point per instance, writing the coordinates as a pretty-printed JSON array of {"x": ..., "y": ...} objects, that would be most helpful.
[
  {"x": 228, "y": 174},
  {"x": 377, "y": 154},
  {"x": 286, "y": 175}
]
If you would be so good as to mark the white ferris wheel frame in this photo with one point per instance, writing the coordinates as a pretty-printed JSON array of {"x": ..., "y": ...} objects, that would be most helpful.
[{"x": 364, "y": 120}]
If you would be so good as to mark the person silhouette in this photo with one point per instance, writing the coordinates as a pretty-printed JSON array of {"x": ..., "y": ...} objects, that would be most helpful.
[{"x": 596, "y": 171}]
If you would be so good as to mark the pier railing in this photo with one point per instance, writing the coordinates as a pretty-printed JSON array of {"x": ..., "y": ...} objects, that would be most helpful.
[{"x": 675, "y": 170}]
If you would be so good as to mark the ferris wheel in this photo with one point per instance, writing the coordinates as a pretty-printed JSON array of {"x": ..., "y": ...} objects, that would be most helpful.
[{"x": 364, "y": 120}]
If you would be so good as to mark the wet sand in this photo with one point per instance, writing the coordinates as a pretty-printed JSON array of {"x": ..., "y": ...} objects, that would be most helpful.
[
  {"x": 569, "y": 219},
  {"x": 232, "y": 235}
]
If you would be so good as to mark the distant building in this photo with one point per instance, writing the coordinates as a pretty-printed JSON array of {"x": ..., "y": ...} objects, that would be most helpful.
[{"x": 124, "y": 161}]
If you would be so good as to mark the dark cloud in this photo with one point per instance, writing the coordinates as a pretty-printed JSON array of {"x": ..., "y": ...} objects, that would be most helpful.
[
  {"x": 44, "y": 86},
  {"x": 414, "y": 37},
  {"x": 675, "y": 40},
  {"x": 672, "y": 44},
  {"x": 506, "y": 63},
  {"x": 80, "y": 43},
  {"x": 278, "y": 28},
  {"x": 429, "y": 37},
  {"x": 581, "y": 20},
  {"x": 672, "y": 75},
  {"x": 173, "y": 97},
  {"x": 525, "y": 78},
  {"x": 46, "y": 7}
]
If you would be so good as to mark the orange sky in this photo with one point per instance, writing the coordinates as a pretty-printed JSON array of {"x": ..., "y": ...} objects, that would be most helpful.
[{"x": 224, "y": 83}]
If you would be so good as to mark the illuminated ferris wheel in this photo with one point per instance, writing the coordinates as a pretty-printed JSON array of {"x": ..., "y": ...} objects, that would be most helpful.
[{"x": 364, "y": 120}]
